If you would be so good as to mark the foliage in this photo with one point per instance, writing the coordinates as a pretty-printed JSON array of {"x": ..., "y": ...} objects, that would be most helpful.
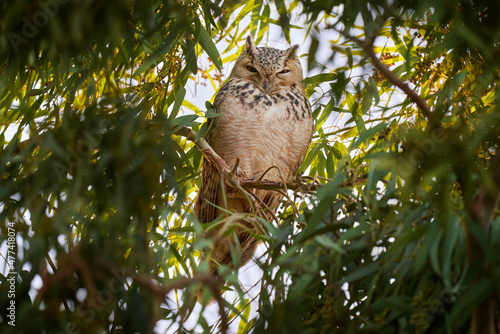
[{"x": 401, "y": 236}]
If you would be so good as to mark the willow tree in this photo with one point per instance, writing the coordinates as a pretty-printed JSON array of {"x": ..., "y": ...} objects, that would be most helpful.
[{"x": 393, "y": 225}]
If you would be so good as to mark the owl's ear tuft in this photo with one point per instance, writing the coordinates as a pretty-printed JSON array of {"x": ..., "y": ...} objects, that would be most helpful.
[
  {"x": 292, "y": 51},
  {"x": 250, "y": 47}
]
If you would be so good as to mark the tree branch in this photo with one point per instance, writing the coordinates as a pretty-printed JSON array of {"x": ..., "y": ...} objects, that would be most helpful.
[
  {"x": 208, "y": 152},
  {"x": 183, "y": 282},
  {"x": 299, "y": 185},
  {"x": 241, "y": 183},
  {"x": 367, "y": 46},
  {"x": 396, "y": 81},
  {"x": 303, "y": 184},
  {"x": 161, "y": 291}
]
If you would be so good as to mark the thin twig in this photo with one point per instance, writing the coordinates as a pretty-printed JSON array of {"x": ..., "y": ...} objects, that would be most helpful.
[
  {"x": 292, "y": 203},
  {"x": 219, "y": 163},
  {"x": 396, "y": 81},
  {"x": 267, "y": 210}
]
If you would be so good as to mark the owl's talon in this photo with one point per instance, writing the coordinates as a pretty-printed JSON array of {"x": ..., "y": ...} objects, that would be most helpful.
[{"x": 236, "y": 169}]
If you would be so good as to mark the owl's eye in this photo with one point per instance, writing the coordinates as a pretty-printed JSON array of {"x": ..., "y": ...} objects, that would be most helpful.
[
  {"x": 285, "y": 71},
  {"x": 251, "y": 69}
]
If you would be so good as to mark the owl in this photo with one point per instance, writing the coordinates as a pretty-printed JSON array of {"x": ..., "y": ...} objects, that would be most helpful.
[{"x": 265, "y": 128}]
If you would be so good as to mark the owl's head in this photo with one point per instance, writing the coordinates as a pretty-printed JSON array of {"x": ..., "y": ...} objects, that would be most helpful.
[{"x": 269, "y": 69}]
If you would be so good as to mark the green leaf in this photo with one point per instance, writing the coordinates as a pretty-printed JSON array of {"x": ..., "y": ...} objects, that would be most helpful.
[
  {"x": 366, "y": 135},
  {"x": 284, "y": 19},
  {"x": 158, "y": 55},
  {"x": 203, "y": 130},
  {"x": 181, "y": 121},
  {"x": 35, "y": 92},
  {"x": 327, "y": 242},
  {"x": 367, "y": 100},
  {"x": 179, "y": 98},
  {"x": 208, "y": 45},
  {"x": 350, "y": 61},
  {"x": 362, "y": 271},
  {"x": 313, "y": 48},
  {"x": 374, "y": 90},
  {"x": 319, "y": 78},
  {"x": 212, "y": 114},
  {"x": 467, "y": 301}
]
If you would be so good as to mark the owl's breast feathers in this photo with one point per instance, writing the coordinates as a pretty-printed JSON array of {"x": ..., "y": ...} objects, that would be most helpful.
[
  {"x": 247, "y": 95},
  {"x": 262, "y": 130},
  {"x": 269, "y": 134}
]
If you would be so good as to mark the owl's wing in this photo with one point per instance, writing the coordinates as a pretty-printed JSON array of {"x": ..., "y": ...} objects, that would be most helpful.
[{"x": 208, "y": 194}]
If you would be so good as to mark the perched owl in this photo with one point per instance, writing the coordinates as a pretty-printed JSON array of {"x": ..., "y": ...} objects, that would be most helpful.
[{"x": 267, "y": 125}]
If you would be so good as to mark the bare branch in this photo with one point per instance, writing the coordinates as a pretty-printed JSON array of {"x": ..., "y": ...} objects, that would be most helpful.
[
  {"x": 304, "y": 184},
  {"x": 396, "y": 81},
  {"x": 219, "y": 163},
  {"x": 183, "y": 282}
]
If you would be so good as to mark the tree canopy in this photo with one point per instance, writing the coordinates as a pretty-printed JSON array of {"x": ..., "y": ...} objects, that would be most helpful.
[{"x": 392, "y": 226}]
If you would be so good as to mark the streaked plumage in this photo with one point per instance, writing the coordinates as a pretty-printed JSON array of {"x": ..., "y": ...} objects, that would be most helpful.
[{"x": 266, "y": 122}]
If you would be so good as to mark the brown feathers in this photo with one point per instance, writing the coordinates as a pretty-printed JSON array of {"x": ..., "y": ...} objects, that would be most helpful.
[{"x": 266, "y": 125}]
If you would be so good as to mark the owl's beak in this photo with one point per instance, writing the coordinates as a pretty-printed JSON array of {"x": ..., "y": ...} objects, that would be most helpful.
[{"x": 266, "y": 86}]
